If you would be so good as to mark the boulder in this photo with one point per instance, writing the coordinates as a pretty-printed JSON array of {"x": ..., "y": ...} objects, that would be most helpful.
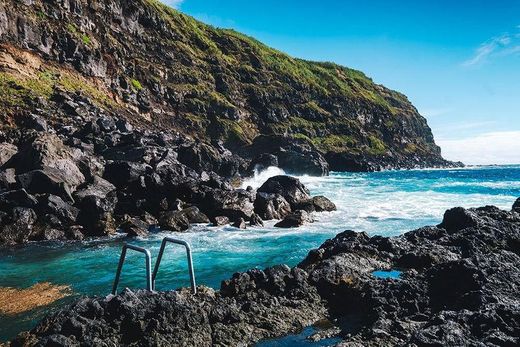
[
  {"x": 302, "y": 162},
  {"x": 262, "y": 162},
  {"x": 96, "y": 215},
  {"x": 7, "y": 179},
  {"x": 233, "y": 204},
  {"x": 134, "y": 227},
  {"x": 289, "y": 187},
  {"x": 195, "y": 216},
  {"x": 296, "y": 156},
  {"x": 98, "y": 187},
  {"x": 123, "y": 173},
  {"x": 52, "y": 204},
  {"x": 174, "y": 221},
  {"x": 51, "y": 234},
  {"x": 48, "y": 151},
  {"x": 240, "y": 223},
  {"x": 17, "y": 198},
  {"x": 294, "y": 220},
  {"x": 7, "y": 151},
  {"x": 322, "y": 204},
  {"x": 75, "y": 232},
  {"x": 19, "y": 227},
  {"x": 256, "y": 220},
  {"x": 271, "y": 206},
  {"x": 46, "y": 181},
  {"x": 220, "y": 221},
  {"x": 516, "y": 205},
  {"x": 459, "y": 218}
]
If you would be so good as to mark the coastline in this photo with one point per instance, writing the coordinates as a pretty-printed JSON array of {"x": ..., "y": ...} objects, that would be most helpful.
[{"x": 430, "y": 257}]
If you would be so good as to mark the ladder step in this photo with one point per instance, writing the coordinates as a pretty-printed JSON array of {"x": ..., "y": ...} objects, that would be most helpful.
[{"x": 151, "y": 277}]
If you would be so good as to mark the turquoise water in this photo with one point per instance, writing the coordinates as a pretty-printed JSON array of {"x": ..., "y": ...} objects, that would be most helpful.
[
  {"x": 298, "y": 340},
  {"x": 383, "y": 203},
  {"x": 385, "y": 274}
]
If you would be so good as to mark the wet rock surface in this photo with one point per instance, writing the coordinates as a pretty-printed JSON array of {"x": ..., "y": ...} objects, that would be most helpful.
[{"x": 459, "y": 286}]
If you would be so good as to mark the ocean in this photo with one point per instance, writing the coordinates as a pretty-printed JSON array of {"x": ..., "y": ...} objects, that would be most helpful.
[{"x": 382, "y": 203}]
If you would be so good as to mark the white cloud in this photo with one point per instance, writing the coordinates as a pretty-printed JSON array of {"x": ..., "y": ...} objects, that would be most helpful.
[
  {"x": 505, "y": 44},
  {"x": 501, "y": 147},
  {"x": 173, "y": 3}
]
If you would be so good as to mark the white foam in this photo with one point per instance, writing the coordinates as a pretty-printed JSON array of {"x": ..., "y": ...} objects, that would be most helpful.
[{"x": 260, "y": 177}]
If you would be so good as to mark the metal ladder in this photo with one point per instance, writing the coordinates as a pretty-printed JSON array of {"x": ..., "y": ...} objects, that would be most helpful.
[{"x": 150, "y": 277}]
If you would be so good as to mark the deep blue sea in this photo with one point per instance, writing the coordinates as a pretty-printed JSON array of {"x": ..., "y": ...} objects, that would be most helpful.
[{"x": 382, "y": 203}]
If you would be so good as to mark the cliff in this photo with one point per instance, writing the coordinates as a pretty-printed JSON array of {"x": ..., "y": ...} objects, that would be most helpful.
[{"x": 163, "y": 70}]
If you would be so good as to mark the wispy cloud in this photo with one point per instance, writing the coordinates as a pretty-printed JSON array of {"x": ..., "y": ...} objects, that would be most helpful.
[
  {"x": 173, "y": 3},
  {"x": 502, "y": 45},
  {"x": 502, "y": 147}
]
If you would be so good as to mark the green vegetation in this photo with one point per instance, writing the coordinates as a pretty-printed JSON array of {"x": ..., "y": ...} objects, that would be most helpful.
[
  {"x": 85, "y": 38},
  {"x": 335, "y": 143},
  {"x": 72, "y": 28},
  {"x": 41, "y": 15},
  {"x": 377, "y": 146},
  {"x": 136, "y": 84},
  {"x": 16, "y": 91}
]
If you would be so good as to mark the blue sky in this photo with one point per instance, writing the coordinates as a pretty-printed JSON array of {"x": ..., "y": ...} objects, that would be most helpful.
[{"x": 457, "y": 61}]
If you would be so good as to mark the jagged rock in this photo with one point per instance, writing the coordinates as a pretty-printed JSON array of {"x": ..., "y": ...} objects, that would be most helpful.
[
  {"x": 134, "y": 227},
  {"x": 256, "y": 220},
  {"x": 195, "y": 216},
  {"x": 46, "y": 181},
  {"x": 8, "y": 179},
  {"x": 174, "y": 221},
  {"x": 96, "y": 215},
  {"x": 292, "y": 155},
  {"x": 322, "y": 204},
  {"x": 262, "y": 162},
  {"x": 516, "y": 205},
  {"x": 98, "y": 187},
  {"x": 240, "y": 223},
  {"x": 7, "y": 151},
  {"x": 123, "y": 173},
  {"x": 52, "y": 204},
  {"x": 17, "y": 198},
  {"x": 295, "y": 219},
  {"x": 289, "y": 187},
  {"x": 75, "y": 232},
  {"x": 459, "y": 218},
  {"x": 50, "y": 234},
  {"x": 18, "y": 227},
  {"x": 271, "y": 206},
  {"x": 45, "y": 152},
  {"x": 220, "y": 221},
  {"x": 233, "y": 204}
]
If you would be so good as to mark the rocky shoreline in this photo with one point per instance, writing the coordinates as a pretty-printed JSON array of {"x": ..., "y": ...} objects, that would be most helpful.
[
  {"x": 458, "y": 286},
  {"x": 74, "y": 182}
]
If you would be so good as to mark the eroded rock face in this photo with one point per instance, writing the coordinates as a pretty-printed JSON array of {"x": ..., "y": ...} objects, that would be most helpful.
[{"x": 460, "y": 289}]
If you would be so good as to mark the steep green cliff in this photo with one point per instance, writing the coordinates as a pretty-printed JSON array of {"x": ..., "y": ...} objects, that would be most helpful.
[{"x": 161, "y": 68}]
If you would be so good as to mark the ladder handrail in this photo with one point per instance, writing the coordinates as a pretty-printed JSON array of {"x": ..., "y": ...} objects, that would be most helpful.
[
  {"x": 188, "y": 255},
  {"x": 148, "y": 256}
]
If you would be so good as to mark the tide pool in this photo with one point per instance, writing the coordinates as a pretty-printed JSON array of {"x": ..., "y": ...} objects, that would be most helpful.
[{"x": 383, "y": 203}]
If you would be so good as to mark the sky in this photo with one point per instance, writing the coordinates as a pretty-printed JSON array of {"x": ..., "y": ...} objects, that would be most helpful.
[{"x": 457, "y": 61}]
